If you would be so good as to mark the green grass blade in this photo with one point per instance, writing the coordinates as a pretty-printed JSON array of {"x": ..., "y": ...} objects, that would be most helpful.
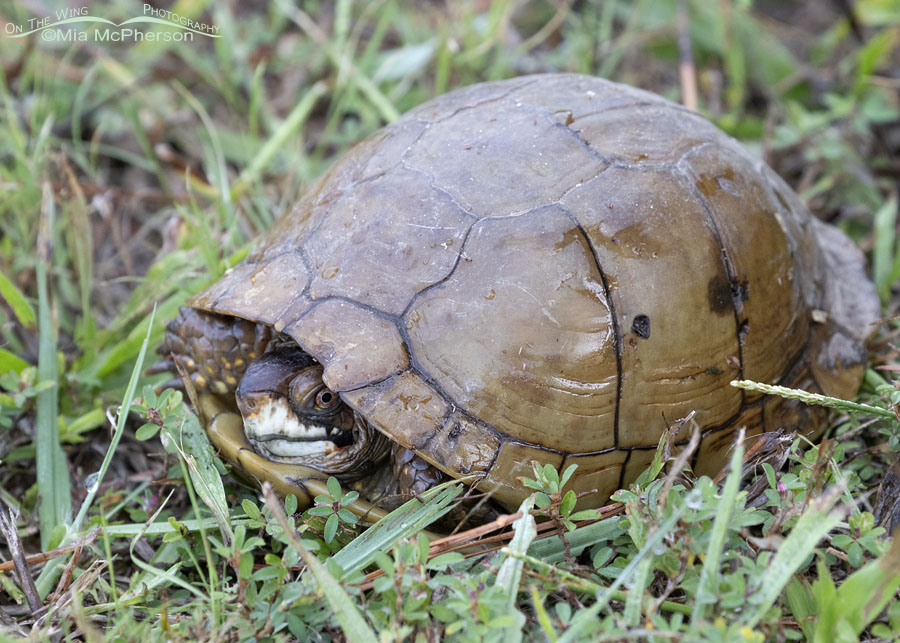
[
  {"x": 161, "y": 528},
  {"x": 217, "y": 166},
  {"x": 52, "y": 470},
  {"x": 403, "y": 522},
  {"x": 162, "y": 576},
  {"x": 862, "y": 596},
  {"x": 277, "y": 141},
  {"x": 17, "y": 301},
  {"x": 341, "y": 61},
  {"x": 117, "y": 435},
  {"x": 883, "y": 264},
  {"x": 588, "y": 617},
  {"x": 510, "y": 574},
  {"x": 814, "y": 398},
  {"x": 811, "y": 527},
  {"x": 634, "y": 598},
  {"x": 583, "y": 584},
  {"x": 709, "y": 577},
  {"x": 553, "y": 550}
]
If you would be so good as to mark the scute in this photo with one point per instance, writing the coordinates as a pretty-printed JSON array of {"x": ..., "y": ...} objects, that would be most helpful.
[
  {"x": 760, "y": 272},
  {"x": 404, "y": 406},
  {"x": 571, "y": 95},
  {"x": 356, "y": 346},
  {"x": 548, "y": 158},
  {"x": 272, "y": 286},
  {"x": 644, "y": 134},
  {"x": 554, "y": 268},
  {"x": 376, "y": 216},
  {"x": 648, "y": 228},
  {"x": 521, "y": 334}
]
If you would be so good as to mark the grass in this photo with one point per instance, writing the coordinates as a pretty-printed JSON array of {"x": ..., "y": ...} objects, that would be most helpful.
[{"x": 134, "y": 175}]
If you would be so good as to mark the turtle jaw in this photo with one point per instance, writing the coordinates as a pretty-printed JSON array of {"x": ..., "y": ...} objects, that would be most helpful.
[
  {"x": 275, "y": 428},
  {"x": 278, "y": 433}
]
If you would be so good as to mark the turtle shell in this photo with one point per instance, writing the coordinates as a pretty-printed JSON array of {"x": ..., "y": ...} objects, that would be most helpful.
[{"x": 555, "y": 268}]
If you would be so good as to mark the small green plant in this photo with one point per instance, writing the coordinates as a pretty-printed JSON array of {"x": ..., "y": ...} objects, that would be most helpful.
[
  {"x": 339, "y": 521},
  {"x": 550, "y": 499}
]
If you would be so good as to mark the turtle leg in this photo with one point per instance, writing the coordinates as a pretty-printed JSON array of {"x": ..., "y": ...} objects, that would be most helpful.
[
  {"x": 413, "y": 475},
  {"x": 213, "y": 350}
]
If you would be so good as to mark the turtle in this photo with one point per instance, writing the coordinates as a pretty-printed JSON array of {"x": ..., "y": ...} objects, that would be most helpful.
[{"x": 552, "y": 268}]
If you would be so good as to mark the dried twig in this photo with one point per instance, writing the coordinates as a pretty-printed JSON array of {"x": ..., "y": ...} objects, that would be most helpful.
[
  {"x": 11, "y": 534},
  {"x": 44, "y": 556}
]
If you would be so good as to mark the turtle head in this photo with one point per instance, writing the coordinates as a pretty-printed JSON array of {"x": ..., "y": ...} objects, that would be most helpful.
[
  {"x": 291, "y": 416},
  {"x": 287, "y": 409}
]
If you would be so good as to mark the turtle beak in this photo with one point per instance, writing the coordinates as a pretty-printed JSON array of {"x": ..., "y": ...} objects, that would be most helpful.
[{"x": 270, "y": 423}]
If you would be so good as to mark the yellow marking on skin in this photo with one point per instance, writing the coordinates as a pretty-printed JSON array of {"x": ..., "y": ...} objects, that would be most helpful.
[
  {"x": 190, "y": 364},
  {"x": 225, "y": 363},
  {"x": 199, "y": 381},
  {"x": 251, "y": 354},
  {"x": 220, "y": 387},
  {"x": 238, "y": 362},
  {"x": 229, "y": 379},
  {"x": 210, "y": 371}
]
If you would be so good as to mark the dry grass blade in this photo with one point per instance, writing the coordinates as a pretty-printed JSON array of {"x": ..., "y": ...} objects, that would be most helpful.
[
  {"x": 43, "y": 557},
  {"x": 14, "y": 543},
  {"x": 87, "y": 578}
]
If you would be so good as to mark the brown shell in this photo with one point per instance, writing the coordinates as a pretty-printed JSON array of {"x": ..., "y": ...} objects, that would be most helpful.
[{"x": 553, "y": 268}]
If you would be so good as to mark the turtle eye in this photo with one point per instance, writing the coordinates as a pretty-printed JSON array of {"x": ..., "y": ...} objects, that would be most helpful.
[{"x": 326, "y": 399}]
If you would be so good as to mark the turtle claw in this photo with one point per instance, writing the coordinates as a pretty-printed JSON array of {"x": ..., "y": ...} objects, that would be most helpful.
[
  {"x": 175, "y": 383},
  {"x": 162, "y": 366}
]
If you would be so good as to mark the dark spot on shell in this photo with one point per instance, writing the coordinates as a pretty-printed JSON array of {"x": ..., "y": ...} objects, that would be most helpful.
[
  {"x": 455, "y": 432},
  {"x": 713, "y": 370},
  {"x": 719, "y": 295},
  {"x": 641, "y": 326},
  {"x": 564, "y": 116},
  {"x": 740, "y": 292},
  {"x": 709, "y": 184},
  {"x": 573, "y": 235}
]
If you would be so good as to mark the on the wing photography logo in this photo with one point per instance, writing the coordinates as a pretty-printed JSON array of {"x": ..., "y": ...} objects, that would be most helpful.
[{"x": 76, "y": 24}]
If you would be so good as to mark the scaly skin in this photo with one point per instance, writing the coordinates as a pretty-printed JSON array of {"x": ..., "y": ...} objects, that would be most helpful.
[{"x": 214, "y": 350}]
